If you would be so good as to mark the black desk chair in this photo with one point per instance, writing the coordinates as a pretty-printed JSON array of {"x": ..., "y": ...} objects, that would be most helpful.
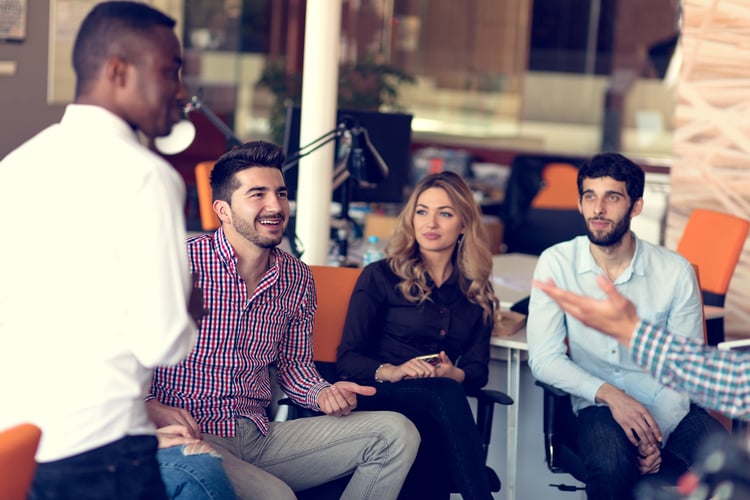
[{"x": 560, "y": 436}]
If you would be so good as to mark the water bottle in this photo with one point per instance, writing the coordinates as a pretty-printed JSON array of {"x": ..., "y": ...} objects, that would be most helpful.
[{"x": 373, "y": 251}]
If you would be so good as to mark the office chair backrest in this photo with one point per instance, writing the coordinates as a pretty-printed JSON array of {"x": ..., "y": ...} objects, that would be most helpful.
[
  {"x": 333, "y": 286},
  {"x": 209, "y": 220},
  {"x": 559, "y": 189},
  {"x": 705, "y": 326},
  {"x": 713, "y": 241},
  {"x": 17, "y": 449}
]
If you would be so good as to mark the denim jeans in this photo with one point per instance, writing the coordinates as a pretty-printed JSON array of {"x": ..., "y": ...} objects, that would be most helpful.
[
  {"x": 123, "y": 470},
  {"x": 376, "y": 448},
  {"x": 193, "y": 476},
  {"x": 612, "y": 461},
  {"x": 450, "y": 452}
]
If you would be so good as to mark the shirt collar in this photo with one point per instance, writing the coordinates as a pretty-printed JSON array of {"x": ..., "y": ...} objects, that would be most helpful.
[
  {"x": 226, "y": 253},
  {"x": 95, "y": 119},
  {"x": 587, "y": 264}
]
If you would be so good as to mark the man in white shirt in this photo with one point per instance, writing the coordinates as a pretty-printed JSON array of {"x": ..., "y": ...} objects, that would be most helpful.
[
  {"x": 628, "y": 424},
  {"x": 94, "y": 280}
]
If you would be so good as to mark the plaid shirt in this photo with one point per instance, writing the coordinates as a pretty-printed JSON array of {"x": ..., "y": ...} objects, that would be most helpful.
[
  {"x": 716, "y": 379},
  {"x": 226, "y": 376}
]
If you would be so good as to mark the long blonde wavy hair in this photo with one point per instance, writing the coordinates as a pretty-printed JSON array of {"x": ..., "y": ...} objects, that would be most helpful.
[{"x": 472, "y": 254}]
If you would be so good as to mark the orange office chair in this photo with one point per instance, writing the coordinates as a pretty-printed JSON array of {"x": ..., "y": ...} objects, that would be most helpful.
[
  {"x": 17, "y": 449},
  {"x": 334, "y": 287},
  {"x": 540, "y": 207},
  {"x": 209, "y": 220},
  {"x": 713, "y": 241},
  {"x": 559, "y": 189}
]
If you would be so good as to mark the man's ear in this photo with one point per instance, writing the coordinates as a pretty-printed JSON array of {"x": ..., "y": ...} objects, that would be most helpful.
[
  {"x": 223, "y": 211},
  {"x": 116, "y": 71},
  {"x": 637, "y": 208}
]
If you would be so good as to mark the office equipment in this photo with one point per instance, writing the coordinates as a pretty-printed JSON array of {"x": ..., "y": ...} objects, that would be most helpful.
[{"x": 389, "y": 134}]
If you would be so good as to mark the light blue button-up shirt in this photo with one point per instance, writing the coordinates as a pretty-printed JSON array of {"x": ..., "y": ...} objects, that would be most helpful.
[{"x": 661, "y": 284}]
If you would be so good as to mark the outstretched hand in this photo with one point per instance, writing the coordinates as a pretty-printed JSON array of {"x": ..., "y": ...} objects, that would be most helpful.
[
  {"x": 341, "y": 398},
  {"x": 616, "y": 316}
]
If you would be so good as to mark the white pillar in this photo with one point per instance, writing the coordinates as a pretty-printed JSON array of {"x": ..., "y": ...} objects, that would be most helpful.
[{"x": 319, "y": 93}]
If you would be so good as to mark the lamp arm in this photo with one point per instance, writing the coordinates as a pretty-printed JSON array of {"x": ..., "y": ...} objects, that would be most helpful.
[
  {"x": 314, "y": 145},
  {"x": 196, "y": 104}
]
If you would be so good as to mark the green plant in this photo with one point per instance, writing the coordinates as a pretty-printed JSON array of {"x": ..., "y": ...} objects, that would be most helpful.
[{"x": 364, "y": 86}]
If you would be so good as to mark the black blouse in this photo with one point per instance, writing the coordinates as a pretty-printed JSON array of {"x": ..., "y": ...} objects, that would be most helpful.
[{"x": 383, "y": 327}]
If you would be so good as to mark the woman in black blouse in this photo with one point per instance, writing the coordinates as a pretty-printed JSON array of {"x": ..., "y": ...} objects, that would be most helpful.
[{"x": 431, "y": 295}]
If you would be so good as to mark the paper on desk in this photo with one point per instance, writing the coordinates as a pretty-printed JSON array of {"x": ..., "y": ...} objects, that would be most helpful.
[
  {"x": 520, "y": 283},
  {"x": 510, "y": 322}
]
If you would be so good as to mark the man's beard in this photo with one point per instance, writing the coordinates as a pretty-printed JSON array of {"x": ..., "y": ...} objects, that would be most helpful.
[
  {"x": 613, "y": 237},
  {"x": 247, "y": 230}
]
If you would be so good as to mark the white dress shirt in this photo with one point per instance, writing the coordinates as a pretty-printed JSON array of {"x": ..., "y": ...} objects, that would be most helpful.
[
  {"x": 663, "y": 287},
  {"x": 93, "y": 281}
]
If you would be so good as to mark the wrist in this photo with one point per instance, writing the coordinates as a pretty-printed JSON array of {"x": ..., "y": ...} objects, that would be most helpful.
[{"x": 379, "y": 373}]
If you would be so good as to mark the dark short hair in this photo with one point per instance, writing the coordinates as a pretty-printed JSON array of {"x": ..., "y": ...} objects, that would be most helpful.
[
  {"x": 248, "y": 155},
  {"x": 103, "y": 33},
  {"x": 619, "y": 168}
]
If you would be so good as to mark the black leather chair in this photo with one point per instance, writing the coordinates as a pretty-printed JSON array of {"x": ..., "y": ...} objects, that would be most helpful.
[{"x": 559, "y": 424}]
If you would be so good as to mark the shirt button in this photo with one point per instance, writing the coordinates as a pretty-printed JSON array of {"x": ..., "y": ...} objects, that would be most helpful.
[
  {"x": 442, "y": 333},
  {"x": 443, "y": 311},
  {"x": 614, "y": 352}
]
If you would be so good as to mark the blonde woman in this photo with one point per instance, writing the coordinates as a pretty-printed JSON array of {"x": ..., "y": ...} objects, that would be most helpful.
[{"x": 418, "y": 326}]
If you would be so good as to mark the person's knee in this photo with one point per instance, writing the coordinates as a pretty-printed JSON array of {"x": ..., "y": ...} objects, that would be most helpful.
[{"x": 402, "y": 433}]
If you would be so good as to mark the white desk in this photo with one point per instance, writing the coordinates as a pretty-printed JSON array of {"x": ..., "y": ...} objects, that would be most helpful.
[
  {"x": 511, "y": 276},
  {"x": 515, "y": 346}
]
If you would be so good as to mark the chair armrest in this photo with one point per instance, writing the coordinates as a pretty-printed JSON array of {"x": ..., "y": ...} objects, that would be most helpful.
[
  {"x": 296, "y": 411},
  {"x": 554, "y": 391},
  {"x": 486, "y": 401}
]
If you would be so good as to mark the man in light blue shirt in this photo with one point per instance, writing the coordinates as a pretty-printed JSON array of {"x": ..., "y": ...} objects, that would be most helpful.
[{"x": 628, "y": 424}]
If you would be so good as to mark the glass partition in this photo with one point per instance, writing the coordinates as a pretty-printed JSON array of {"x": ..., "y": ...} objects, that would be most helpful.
[{"x": 559, "y": 76}]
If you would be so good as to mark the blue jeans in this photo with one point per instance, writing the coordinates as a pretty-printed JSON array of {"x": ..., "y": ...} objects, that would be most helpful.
[
  {"x": 450, "y": 452},
  {"x": 612, "y": 461},
  {"x": 193, "y": 477},
  {"x": 123, "y": 470}
]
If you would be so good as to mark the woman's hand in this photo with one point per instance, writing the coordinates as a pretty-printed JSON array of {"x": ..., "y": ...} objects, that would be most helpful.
[
  {"x": 419, "y": 368},
  {"x": 446, "y": 368},
  {"x": 414, "y": 368}
]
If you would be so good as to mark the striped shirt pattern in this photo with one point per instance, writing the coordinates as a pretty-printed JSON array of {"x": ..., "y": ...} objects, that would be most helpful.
[
  {"x": 716, "y": 379},
  {"x": 226, "y": 376}
]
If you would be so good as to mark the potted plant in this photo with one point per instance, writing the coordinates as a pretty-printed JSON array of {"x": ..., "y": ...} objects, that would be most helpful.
[{"x": 366, "y": 85}]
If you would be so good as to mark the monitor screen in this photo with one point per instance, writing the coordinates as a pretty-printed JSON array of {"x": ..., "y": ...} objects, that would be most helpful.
[{"x": 390, "y": 134}]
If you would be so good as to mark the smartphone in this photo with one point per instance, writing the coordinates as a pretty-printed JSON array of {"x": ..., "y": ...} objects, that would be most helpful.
[{"x": 433, "y": 359}]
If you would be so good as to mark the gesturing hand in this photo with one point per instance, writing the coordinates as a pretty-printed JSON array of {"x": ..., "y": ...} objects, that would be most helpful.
[{"x": 341, "y": 397}]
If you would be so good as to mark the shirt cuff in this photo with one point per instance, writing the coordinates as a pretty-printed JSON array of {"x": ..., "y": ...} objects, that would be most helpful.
[{"x": 312, "y": 396}]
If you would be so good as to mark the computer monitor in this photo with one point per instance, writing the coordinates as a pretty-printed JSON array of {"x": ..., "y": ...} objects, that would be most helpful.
[{"x": 390, "y": 134}]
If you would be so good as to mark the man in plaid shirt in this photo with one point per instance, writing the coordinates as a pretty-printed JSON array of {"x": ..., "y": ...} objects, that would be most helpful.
[
  {"x": 261, "y": 303},
  {"x": 716, "y": 379}
]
